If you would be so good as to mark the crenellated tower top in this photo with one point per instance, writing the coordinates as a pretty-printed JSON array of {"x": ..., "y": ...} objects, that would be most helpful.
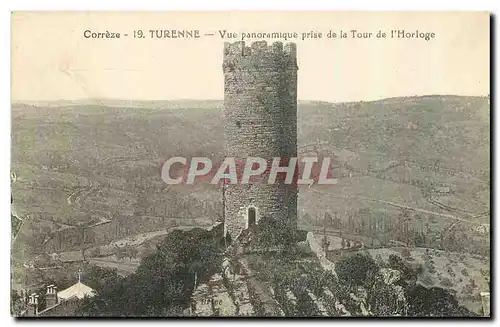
[{"x": 259, "y": 56}]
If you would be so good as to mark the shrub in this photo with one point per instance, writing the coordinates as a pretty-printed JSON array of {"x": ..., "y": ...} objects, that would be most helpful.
[
  {"x": 395, "y": 262},
  {"x": 435, "y": 301},
  {"x": 406, "y": 254},
  {"x": 357, "y": 270},
  {"x": 446, "y": 282},
  {"x": 96, "y": 252},
  {"x": 468, "y": 289},
  {"x": 429, "y": 265}
]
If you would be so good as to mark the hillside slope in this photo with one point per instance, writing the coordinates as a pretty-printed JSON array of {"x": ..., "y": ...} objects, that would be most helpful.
[{"x": 101, "y": 158}]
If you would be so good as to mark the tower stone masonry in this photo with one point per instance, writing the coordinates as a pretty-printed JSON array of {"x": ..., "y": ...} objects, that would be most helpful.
[{"x": 260, "y": 120}]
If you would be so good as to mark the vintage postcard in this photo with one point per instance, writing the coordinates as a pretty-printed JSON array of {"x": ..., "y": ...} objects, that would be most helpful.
[{"x": 257, "y": 164}]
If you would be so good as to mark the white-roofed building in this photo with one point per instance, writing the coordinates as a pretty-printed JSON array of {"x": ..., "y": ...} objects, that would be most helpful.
[
  {"x": 59, "y": 304},
  {"x": 78, "y": 290}
]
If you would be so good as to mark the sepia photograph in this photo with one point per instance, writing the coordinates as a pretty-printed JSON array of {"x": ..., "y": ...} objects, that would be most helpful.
[{"x": 246, "y": 164}]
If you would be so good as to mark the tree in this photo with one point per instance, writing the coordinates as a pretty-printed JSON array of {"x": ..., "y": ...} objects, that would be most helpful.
[
  {"x": 148, "y": 249},
  {"x": 408, "y": 273},
  {"x": 16, "y": 304},
  {"x": 395, "y": 262},
  {"x": 118, "y": 252},
  {"x": 359, "y": 270},
  {"x": 96, "y": 277},
  {"x": 434, "y": 302},
  {"x": 420, "y": 239},
  {"x": 96, "y": 252},
  {"x": 82, "y": 231},
  {"x": 325, "y": 243},
  {"x": 163, "y": 282},
  {"x": 402, "y": 226},
  {"x": 406, "y": 254},
  {"x": 328, "y": 219},
  {"x": 131, "y": 252},
  {"x": 382, "y": 300}
]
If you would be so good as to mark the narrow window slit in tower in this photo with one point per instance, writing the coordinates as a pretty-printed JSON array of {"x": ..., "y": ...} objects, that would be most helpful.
[{"x": 238, "y": 124}]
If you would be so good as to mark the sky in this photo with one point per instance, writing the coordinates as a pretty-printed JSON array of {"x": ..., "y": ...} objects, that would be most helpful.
[{"x": 52, "y": 60}]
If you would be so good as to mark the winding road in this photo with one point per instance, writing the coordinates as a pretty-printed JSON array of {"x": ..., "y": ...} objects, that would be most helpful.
[{"x": 401, "y": 206}]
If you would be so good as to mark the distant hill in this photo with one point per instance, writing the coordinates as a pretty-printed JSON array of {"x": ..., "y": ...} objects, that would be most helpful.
[
  {"x": 157, "y": 104},
  {"x": 452, "y": 130}
]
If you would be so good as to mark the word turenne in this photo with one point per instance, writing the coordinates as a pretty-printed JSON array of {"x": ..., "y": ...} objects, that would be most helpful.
[{"x": 250, "y": 170}]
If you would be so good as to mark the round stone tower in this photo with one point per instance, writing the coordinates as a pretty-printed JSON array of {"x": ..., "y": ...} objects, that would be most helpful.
[{"x": 260, "y": 120}]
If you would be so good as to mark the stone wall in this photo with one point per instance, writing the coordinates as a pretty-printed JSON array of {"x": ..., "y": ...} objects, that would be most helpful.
[{"x": 260, "y": 120}]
